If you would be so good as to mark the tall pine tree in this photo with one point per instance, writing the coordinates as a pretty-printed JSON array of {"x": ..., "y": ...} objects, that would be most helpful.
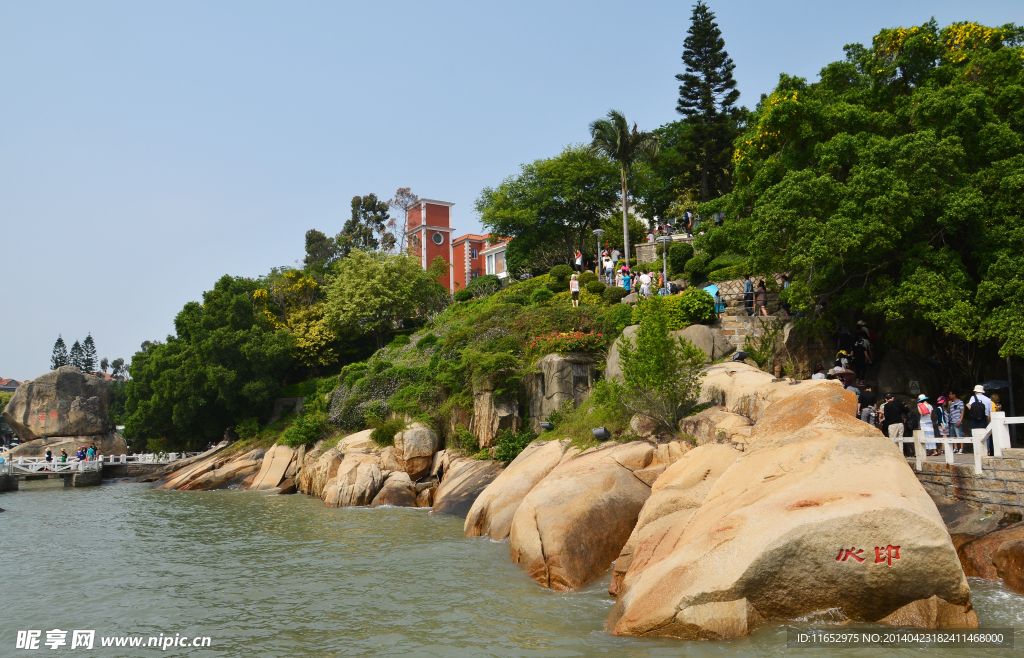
[
  {"x": 707, "y": 98},
  {"x": 60, "y": 354},
  {"x": 88, "y": 354},
  {"x": 75, "y": 358}
]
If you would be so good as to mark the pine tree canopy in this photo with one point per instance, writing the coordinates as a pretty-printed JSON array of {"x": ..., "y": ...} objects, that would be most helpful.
[
  {"x": 75, "y": 358},
  {"x": 60, "y": 354},
  {"x": 708, "y": 88},
  {"x": 88, "y": 354}
]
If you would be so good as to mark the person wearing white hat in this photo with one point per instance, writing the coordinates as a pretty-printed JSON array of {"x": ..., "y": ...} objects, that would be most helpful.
[
  {"x": 979, "y": 408},
  {"x": 927, "y": 426}
]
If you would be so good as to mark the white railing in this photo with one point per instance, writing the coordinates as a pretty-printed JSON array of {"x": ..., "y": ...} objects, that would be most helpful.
[
  {"x": 149, "y": 458},
  {"x": 998, "y": 430},
  {"x": 39, "y": 465}
]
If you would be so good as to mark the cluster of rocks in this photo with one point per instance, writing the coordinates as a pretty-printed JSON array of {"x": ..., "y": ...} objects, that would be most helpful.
[
  {"x": 811, "y": 511},
  {"x": 63, "y": 409},
  {"x": 354, "y": 472},
  {"x": 787, "y": 507}
]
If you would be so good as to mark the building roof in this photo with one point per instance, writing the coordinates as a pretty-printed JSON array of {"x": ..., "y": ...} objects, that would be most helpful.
[
  {"x": 472, "y": 236},
  {"x": 9, "y": 382},
  {"x": 497, "y": 245},
  {"x": 436, "y": 202}
]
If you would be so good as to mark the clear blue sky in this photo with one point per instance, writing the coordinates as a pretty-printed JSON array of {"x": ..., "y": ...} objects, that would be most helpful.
[{"x": 147, "y": 148}]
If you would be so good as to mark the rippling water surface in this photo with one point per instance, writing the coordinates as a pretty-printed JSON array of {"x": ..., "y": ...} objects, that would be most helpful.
[{"x": 284, "y": 576}]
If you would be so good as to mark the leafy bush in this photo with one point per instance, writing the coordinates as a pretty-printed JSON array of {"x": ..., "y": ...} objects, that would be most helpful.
[
  {"x": 307, "y": 429},
  {"x": 426, "y": 342},
  {"x": 612, "y": 294},
  {"x": 519, "y": 299},
  {"x": 595, "y": 287},
  {"x": 482, "y": 286},
  {"x": 697, "y": 269},
  {"x": 649, "y": 266},
  {"x": 569, "y": 341},
  {"x": 599, "y": 409},
  {"x": 384, "y": 432},
  {"x": 621, "y": 316},
  {"x": 463, "y": 295},
  {"x": 587, "y": 277},
  {"x": 560, "y": 272},
  {"x": 464, "y": 440},
  {"x": 726, "y": 260},
  {"x": 509, "y": 444},
  {"x": 400, "y": 340},
  {"x": 541, "y": 295},
  {"x": 248, "y": 428},
  {"x": 561, "y": 285},
  {"x": 661, "y": 374},
  {"x": 727, "y": 273},
  {"x": 692, "y": 306},
  {"x": 679, "y": 253}
]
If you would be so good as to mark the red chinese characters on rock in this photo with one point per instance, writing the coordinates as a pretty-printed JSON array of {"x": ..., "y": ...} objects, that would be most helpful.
[
  {"x": 891, "y": 553},
  {"x": 53, "y": 415},
  {"x": 882, "y": 555}
]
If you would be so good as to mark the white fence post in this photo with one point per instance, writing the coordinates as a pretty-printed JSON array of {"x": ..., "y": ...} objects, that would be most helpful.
[
  {"x": 1000, "y": 433},
  {"x": 918, "y": 448},
  {"x": 980, "y": 450}
]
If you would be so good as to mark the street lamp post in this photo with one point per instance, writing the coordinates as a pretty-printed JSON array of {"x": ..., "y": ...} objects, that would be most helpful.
[
  {"x": 598, "y": 232},
  {"x": 665, "y": 241}
]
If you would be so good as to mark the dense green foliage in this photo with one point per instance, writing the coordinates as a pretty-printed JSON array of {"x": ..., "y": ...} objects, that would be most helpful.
[
  {"x": 509, "y": 444},
  {"x": 225, "y": 363},
  {"x": 692, "y": 306},
  {"x": 660, "y": 373},
  {"x": 893, "y": 185},
  {"x": 550, "y": 207}
]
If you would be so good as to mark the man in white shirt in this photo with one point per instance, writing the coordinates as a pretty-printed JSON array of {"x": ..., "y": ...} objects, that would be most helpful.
[
  {"x": 977, "y": 421},
  {"x": 819, "y": 373}
]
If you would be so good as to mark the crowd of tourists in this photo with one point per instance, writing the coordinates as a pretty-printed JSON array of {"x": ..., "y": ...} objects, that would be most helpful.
[
  {"x": 946, "y": 416},
  {"x": 85, "y": 453}
]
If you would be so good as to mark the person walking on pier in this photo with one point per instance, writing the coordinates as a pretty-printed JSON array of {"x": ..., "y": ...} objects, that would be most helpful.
[
  {"x": 90, "y": 454},
  {"x": 63, "y": 456}
]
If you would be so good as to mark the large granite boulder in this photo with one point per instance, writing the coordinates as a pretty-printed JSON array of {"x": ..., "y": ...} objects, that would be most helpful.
[
  {"x": 678, "y": 491},
  {"x": 745, "y": 390},
  {"x": 493, "y": 413},
  {"x": 273, "y": 468},
  {"x": 821, "y": 513},
  {"x": 573, "y": 523},
  {"x": 710, "y": 340},
  {"x": 1009, "y": 563},
  {"x": 463, "y": 480},
  {"x": 558, "y": 379},
  {"x": 716, "y": 425},
  {"x": 976, "y": 555},
  {"x": 240, "y": 466},
  {"x": 414, "y": 448},
  {"x": 356, "y": 483},
  {"x": 313, "y": 480},
  {"x": 106, "y": 444},
  {"x": 398, "y": 491},
  {"x": 63, "y": 402},
  {"x": 491, "y": 514}
]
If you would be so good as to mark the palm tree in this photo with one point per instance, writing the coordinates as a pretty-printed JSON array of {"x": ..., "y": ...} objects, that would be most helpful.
[{"x": 613, "y": 138}]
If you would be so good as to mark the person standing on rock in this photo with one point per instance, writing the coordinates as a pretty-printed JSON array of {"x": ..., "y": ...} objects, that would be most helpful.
[
  {"x": 956, "y": 419},
  {"x": 861, "y": 358}
]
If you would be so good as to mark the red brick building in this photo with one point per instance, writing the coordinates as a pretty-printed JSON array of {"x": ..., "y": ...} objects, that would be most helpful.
[
  {"x": 471, "y": 255},
  {"x": 430, "y": 234}
]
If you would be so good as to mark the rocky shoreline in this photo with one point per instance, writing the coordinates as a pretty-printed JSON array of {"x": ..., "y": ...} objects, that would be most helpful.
[{"x": 786, "y": 507}]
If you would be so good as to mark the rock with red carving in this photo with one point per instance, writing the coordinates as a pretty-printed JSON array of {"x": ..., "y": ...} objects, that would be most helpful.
[{"x": 821, "y": 513}]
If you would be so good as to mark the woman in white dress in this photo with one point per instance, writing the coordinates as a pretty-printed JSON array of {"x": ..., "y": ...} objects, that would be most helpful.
[{"x": 927, "y": 427}]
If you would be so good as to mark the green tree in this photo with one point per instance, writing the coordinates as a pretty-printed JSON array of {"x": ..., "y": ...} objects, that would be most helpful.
[
  {"x": 88, "y": 354},
  {"x": 895, "y": 186},
  {"x": 707, "y": 98},
  {"x": 320, "y": 250},
  {"x": 368, "y": 223},
  {"x": 225, "y": 363},
  {"x": 373, "y": 292},
  {"x": 550, "y": 207},
  {"x": 117, "y": 368},
  {"x": 75, "y": 356},
  {"x": 613, "y": 138},
  {"x": 104, "y": 365},
  {"x": 59, "y": 357},
  {"x": 661, "y": 373}
]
